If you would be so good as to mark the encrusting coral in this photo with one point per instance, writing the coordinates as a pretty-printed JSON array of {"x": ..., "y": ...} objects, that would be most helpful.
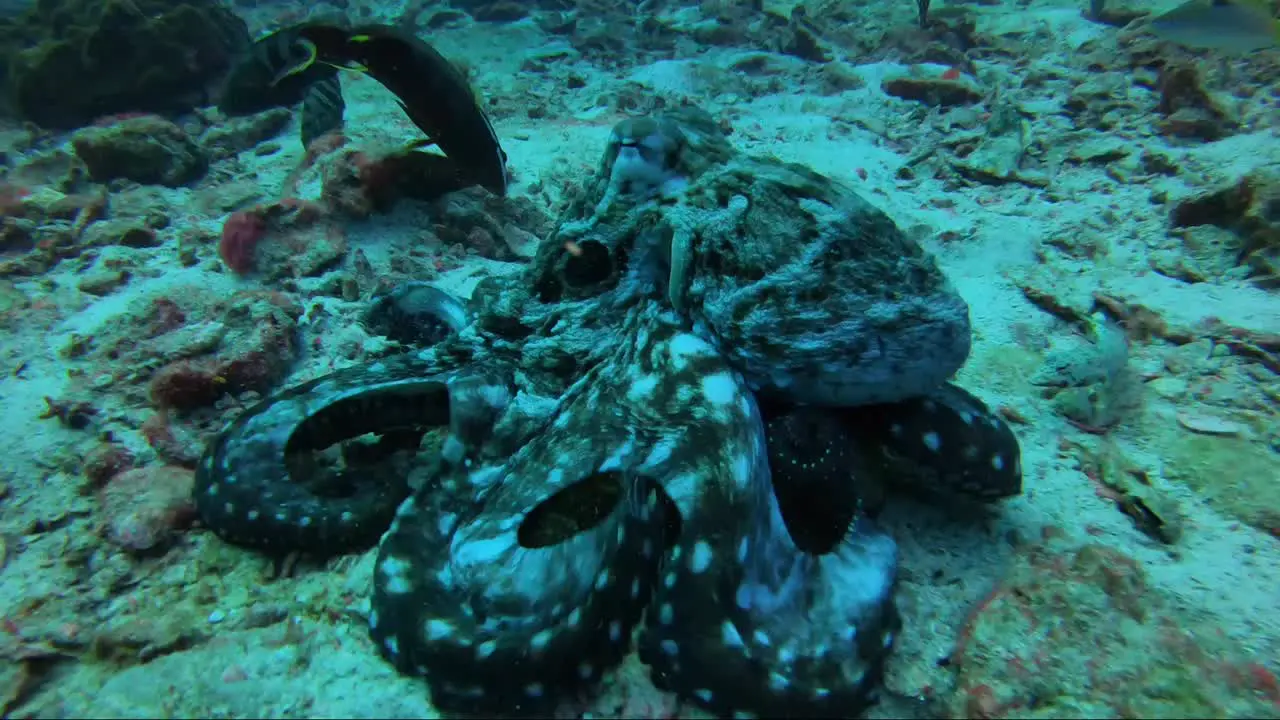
[{"x": 68, "y": 62}]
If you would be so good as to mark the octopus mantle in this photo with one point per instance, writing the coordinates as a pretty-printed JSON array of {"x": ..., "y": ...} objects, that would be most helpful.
[{"x": 676, "y": 421}]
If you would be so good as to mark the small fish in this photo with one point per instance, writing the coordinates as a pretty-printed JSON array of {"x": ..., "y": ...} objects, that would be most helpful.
[
  {"x": 322, "y": 109},
  {"x": 432, "y": 91},
  {"x": 277, "y": 71},
  {"x": 1236, "y": 26}
]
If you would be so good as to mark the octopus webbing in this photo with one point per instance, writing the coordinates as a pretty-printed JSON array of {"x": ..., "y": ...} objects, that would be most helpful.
[{"x": 671, "y": 431}]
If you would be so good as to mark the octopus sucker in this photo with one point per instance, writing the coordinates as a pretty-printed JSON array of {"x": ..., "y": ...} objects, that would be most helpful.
[
  {"x": 773, "y": 622},
  {"x": 688, "y": 436},
  {"x": 820, "y": 476}
]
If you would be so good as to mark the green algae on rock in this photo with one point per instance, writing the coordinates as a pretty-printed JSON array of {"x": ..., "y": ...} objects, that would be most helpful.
[
  {"x": 1235, "y": 475},
  {"x": 68, "y": 62},
  {"x": 148, "y": 150},
  {"x": 1077, "y": 632}
]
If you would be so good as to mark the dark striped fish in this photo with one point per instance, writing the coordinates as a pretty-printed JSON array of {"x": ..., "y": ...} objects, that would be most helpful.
[
  {"x": 432, "y": 91},
  {"x": 277, "y": 71},
  {"x": 322, "y": 109},
  {"x": 280, "y": 70}
]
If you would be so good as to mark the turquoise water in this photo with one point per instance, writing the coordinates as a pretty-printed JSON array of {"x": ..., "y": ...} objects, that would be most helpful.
[{"x": 661, "y": 359}]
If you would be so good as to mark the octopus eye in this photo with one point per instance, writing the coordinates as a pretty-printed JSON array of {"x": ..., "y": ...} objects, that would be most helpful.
[
  {"x": 571, "y": 511},
  {"x": 644, "y": 155},
  {"x": 589, "y": 265}
]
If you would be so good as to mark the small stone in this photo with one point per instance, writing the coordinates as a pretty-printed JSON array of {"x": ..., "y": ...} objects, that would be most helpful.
[
  {"x": 142, "y": 508},
  {"x": 933, "y": 90},
  {"x": 239, "y": 134},
  {"x": 1099, "y": 150},
  {"x": 102, "y": 282},
  {"x": 1168, "y": 388},
  {"x": 1209, "y": 425},
  {"x": 127, "y": 233},
  {"x": 105, "y": 462},
  {"x": 837, "y": 77}
]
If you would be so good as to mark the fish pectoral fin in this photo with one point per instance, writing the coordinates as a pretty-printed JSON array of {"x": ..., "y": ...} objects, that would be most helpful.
[
  {"x": 350, "y": 65},
  {"x": 301, "y": 65},
  {"x": 420, "y": 143}
]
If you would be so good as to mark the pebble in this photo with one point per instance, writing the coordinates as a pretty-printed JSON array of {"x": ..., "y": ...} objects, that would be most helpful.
[
  {"x": 144, "y": 507},
  {"x": 1209, "y": 425},
  {"x": 216, "y": 617},
  {"x": 1168, "y": 388}
]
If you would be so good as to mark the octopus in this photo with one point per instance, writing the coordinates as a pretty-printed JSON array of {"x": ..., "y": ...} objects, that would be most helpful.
[{"x": 671, "y": 432}]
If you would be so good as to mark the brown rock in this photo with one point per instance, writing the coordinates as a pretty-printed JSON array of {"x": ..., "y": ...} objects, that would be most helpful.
[
  {"x": 933, "y": 90},
  {"x": 142, "y": 508},
  {"x": 148, "y": 150}
]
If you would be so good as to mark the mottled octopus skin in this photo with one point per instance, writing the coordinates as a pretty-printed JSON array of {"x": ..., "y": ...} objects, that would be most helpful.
[
  {"x": 243, "y": 485},
  {"x": 643, "y": 358},
  {"x": 669, "y": 415},
  {"x": 808, "y": 289}
]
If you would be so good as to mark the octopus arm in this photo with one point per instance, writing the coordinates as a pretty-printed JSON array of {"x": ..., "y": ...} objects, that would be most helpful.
[
  {"x": 512, "y": 585},
  {"x": 946, "y": 443},
  {"x": 755, "y": 611},
  {"x": 245, "y": 490}
]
